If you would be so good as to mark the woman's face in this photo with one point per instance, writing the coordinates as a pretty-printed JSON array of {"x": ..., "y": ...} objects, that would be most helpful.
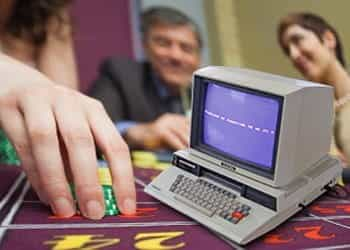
[{"x": 308, "y": 54}]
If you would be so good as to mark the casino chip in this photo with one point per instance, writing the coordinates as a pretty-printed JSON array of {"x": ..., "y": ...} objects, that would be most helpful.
[
  {"x": 105, "y": 180},
  {"x": 8, "y": 153}
]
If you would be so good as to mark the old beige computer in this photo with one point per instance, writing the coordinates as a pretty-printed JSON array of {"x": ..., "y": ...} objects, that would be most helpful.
[{"x": 258, "y": 152}]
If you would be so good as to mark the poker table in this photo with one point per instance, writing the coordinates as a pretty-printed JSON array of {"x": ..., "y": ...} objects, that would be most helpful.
[{"x": 28, "y": 224}]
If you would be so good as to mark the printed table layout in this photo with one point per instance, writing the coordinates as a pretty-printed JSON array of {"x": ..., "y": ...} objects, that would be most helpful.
[{"x": 28, "y": 224}]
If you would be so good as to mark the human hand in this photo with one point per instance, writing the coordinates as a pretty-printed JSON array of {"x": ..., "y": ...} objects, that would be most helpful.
[
  {"x": 54, "y": 131},
  {"x": 168, "y": 131}
]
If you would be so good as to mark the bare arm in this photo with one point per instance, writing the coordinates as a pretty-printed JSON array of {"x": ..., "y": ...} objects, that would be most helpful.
[
  {"x": 342, "y": 130},
  {"x": 56, "y": 57},
  {"x": 54, "y": 128},
  {"x": 170, "y": 131}
]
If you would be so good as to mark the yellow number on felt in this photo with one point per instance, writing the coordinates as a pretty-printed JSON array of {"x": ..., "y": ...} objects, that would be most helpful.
[
  {"x": 154, "y": 241},
  {"x": 84, "y": 242}
]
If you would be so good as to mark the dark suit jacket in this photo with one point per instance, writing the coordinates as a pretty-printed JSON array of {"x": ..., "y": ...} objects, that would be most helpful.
[{"x": 127, "y": 91}]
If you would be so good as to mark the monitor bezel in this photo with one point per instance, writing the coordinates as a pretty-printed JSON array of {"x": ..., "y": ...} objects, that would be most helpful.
[{"x": 196, "y": 142}]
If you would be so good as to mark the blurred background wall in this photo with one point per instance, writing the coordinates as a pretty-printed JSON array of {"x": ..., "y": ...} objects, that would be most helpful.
[{"x": 101, "y": 28}]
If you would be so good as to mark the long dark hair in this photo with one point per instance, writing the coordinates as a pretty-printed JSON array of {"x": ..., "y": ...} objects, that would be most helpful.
[
  {"x": 314, "y": 23},
  {"x": 29, "y": 18}
]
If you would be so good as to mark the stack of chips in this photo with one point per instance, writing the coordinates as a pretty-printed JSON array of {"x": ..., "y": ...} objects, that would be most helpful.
[
  {"x": 105, "y": 180},
  {"x": 154, "y": 160}
]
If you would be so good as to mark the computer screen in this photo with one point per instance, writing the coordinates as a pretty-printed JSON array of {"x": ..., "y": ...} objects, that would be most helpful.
[
  {"x": 267, "y": 127},
  {"x": 241, "y": 123}
]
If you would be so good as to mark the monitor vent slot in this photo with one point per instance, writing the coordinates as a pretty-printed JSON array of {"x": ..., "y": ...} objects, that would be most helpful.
[{"x": 225, "y": 181}]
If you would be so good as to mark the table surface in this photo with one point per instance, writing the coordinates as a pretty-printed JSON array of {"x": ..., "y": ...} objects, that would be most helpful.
[{"x": 27, "y": 224}]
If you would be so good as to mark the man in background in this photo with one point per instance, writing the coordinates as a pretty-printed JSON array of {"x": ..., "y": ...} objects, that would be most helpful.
[{"x": 148, "y": 100}]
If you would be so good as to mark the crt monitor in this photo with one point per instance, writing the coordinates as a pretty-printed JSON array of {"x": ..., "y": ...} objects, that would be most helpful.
[{"x": 267, "y": 127}]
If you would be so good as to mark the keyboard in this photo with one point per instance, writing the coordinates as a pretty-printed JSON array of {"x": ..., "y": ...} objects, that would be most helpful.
[
  {"x": 238, "y": 208},
  {"x": 209, "y": 199}
]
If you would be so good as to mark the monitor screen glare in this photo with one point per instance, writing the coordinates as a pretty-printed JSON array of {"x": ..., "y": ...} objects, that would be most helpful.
[{"x": 241, "y": 123}]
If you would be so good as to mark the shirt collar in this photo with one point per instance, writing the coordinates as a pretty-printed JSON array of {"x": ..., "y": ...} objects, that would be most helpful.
[{"x": 162, "y": 89}]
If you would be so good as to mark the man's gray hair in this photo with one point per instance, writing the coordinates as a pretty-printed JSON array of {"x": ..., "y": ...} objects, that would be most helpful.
[{"x": 167, "y": 16}]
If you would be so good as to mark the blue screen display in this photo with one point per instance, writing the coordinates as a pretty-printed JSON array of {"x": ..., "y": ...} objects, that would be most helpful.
[{"x": 241, "y": 124}]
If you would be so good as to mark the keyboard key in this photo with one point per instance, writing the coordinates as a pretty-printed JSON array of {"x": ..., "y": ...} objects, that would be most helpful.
[
  {"x": 237, "y": 215},
  {"x": 189, "y": 203}
]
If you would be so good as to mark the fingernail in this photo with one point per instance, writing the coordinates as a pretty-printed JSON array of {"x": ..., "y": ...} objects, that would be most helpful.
[
  {"x": 129, "y": 206},
  {"x": 63, "y": 207},
  {"x": 94, "y": 210}
]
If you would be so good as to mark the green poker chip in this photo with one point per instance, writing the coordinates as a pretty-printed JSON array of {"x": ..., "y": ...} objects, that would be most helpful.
[
  {"x": 8, "y": 154},
  {"x": 111, "y": 207},
  {"x": 111, "y": 212}
]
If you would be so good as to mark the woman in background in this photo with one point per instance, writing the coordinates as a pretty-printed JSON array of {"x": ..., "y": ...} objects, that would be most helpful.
[
  {"x": 315, "y": 49},
  {"x": 39, "y": 34}
]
